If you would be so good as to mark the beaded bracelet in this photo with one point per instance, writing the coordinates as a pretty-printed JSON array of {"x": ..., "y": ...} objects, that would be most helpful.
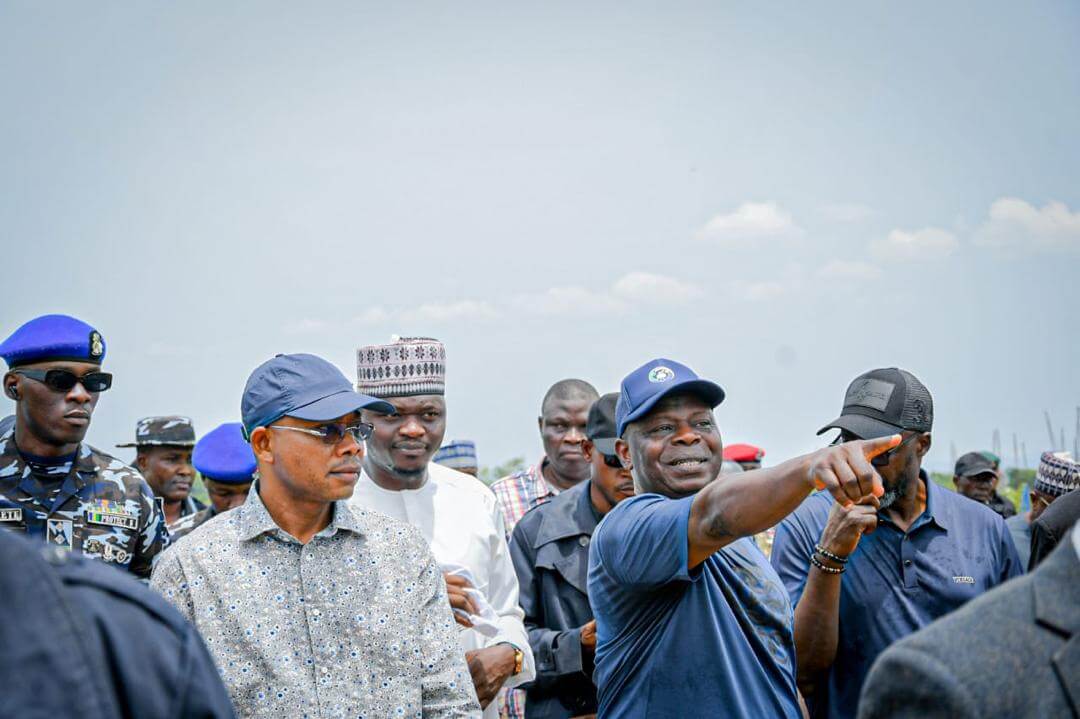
[
  {"x": 829, "y": 555},
  {"x": 821, "y": 565}
]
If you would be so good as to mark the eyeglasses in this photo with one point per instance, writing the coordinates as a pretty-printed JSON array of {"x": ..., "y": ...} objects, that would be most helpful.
[
  {"x": 883, "y": 459},
  {"x": 61, "y": 380},
  {"x": 333, "y": 433},
  {"x": 613, "y": 461}
]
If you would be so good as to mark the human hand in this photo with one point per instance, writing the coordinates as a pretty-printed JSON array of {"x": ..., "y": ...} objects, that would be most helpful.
[
  {"x": 847, "y": 525},
  {"x": 459, "y": 598},
  {"x": 490, "y": 667},
  {"x": 588, "y": 635},
  {"x": 845, "y": 472}
]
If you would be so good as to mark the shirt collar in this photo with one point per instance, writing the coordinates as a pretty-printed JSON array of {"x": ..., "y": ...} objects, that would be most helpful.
[
  {"x": 254, "y": 519},
  {"x": 567, "y": 515},
  {"x": 938, "y": 509},
  {"x": 543, "y": 487}
]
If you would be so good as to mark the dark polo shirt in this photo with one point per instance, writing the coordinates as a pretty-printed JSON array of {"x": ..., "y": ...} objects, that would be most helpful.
[{"x": 896, "y": 582}]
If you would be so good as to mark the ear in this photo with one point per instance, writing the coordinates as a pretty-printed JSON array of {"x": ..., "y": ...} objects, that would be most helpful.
[
  {"x": 924, "y": 444},
  {"x": 622, "y": 449},
  {"x": 260, "y": 444},
  {"x": 11, "y": 385},
  {"x": 956, "y": 481},
  {"x": 587, "y": 449},
  {"x": 540, "y": 424}
]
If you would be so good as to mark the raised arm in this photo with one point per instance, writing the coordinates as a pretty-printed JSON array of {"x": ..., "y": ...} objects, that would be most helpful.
[{"x": 743, "y": 504}]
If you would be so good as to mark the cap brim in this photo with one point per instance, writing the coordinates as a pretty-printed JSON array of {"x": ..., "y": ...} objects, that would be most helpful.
[
  {"x": 861, "y": 426},
  {"x": 711, "y": 392},
  {"x": 155, "y": 443},
  {"x": 337, "y": 405},
  {"x": 604, "y": 445}
]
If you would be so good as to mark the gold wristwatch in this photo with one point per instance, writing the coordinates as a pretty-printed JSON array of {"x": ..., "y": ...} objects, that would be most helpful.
[{"x": 519, "y": 659}]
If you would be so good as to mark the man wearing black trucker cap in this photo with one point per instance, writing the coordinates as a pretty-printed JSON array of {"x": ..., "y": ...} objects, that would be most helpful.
[{"x": 929, "y": 552}]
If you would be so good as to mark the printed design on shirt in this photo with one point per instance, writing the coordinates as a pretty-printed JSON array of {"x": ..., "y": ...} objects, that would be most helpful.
[
  {"x": 769, "y": 611},
  {"x": 60, "y": 532}
]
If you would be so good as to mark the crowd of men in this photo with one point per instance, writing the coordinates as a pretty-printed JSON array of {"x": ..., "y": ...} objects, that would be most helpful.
[{"x": 349, "y": 562}]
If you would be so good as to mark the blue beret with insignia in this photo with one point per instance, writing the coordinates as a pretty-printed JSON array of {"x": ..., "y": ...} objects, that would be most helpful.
[
  {"x": 53, "y": 337},
  {"x": 223, "y": 455}
]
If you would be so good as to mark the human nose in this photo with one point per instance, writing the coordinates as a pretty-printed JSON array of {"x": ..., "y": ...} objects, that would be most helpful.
[
  {"x": 574, "y": 435},
  {"x": 412, "y": 427},
  {"x": 686, "y": 434},
  {"x": 78, "y": 394},
  {"x": 350, "y": 445}
]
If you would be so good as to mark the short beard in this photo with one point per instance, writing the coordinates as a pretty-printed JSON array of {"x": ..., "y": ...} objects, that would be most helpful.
[
  {"x": 891, "y": 495},
  {"x": 407, "y": 472}
]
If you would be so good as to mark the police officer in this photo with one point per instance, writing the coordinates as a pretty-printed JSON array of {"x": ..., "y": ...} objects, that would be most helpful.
[
  {"x": 53, "y": 486},
  {"x": 227, "y": 465},
  {"x": 163, "y": 448}
]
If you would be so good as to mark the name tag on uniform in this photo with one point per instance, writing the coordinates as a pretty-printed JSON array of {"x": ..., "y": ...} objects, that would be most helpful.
[
  {"x": 111, "y": 519},
  {"x": 964, "y": 580},
  {"x": 11, "y": 514}
]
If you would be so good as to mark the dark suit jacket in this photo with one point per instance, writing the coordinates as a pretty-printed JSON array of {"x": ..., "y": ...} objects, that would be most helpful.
[
  {"x": 1053, "y": 524},
  {"x": 550, "y": 549},
  {"x": 1014, "y": 652}
]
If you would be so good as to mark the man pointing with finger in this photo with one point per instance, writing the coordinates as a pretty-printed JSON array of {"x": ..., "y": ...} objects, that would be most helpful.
[
  {"x": 865, "y": 575},
  {"x": 691, "y": 620}
]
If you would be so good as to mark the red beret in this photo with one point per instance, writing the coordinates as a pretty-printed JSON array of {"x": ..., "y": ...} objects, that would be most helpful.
[{"x": 743, "y": 453}]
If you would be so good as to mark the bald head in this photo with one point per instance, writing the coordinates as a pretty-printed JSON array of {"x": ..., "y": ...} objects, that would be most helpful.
[
  {"x": 568, "y": 390},
  {"x": 563, "y": 416}
]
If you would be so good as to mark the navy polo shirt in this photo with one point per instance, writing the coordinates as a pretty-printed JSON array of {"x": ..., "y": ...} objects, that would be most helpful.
[
  {"x": 716, "y": 640},
  {"x": 895, "y": 583}
]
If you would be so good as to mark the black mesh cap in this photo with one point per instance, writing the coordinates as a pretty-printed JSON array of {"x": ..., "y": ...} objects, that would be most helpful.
[{"x": 883, "y": 402}]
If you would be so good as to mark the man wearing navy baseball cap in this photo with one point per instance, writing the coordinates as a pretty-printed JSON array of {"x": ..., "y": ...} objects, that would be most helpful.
[
  {"x": 316, "y": 609},
  {"x": 690, "y": 618}
]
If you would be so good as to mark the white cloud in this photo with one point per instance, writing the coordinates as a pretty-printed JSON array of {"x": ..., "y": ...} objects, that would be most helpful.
[
  {"x": 372, "y": 316},
  {"x": 750, "y": 221},
  {"x": 927, "y": 244},
  {"x": 647, "y": 287},
  {"x": 847, "y": 212},
  {"x": 448, "y": 311},
  {"x": 1014, "y": 223},
  {"x": 849, "y": 270},
  {"x": 761, "y": 291},
  {"x": 568, "y": 301}
]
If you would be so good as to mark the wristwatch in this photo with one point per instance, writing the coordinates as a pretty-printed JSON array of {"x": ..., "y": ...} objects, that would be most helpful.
[{"x": 519, "y": 659}]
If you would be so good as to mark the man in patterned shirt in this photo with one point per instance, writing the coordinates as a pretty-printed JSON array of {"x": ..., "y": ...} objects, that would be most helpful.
[
  {"x": 309, "y": 608},
  {"x": 53, "y": 486},
  {"x": 563, "y": 414}
]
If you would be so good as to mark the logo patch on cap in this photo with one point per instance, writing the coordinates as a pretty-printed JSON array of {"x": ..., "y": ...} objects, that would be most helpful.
[
  {"x": 661, "y": 374},
  {"x": 96, "y": 347},
  {"x": 872, "y": 393}
]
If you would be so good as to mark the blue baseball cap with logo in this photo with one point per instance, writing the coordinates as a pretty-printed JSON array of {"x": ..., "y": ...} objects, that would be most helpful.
[
  {"x": 651, "y": 382},
  {"x": 302, "y": 386}
]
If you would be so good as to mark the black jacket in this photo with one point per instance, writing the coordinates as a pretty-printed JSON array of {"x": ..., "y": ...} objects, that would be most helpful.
[
  {"x": 1014, "y": 652},
  {"x": 79, "y": 638},
  {"x": 550, "y": 549},
  {"x": 1052, "y": 525}
]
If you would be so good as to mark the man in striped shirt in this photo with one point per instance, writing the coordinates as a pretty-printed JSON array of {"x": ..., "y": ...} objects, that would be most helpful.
[{"x": 564, "y": 413}]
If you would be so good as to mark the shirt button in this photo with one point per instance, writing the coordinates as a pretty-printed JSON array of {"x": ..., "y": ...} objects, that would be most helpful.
[
  {"x": 907, "y": 562},
  {"x": 583, "y": 541}
]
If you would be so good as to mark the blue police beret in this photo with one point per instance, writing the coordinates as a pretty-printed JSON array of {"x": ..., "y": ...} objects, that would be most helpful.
[
  {"x": 223, "y": 455},
  {"x": 53, "y": 337}
]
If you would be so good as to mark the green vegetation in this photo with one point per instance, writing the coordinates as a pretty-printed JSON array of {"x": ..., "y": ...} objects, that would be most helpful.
[{"x": 490, "y": 475}]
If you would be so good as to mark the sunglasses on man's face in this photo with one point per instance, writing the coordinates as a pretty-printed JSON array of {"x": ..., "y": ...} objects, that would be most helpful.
[
  {"x": 61, "y": 380},
  {"x": 883, "y": 459},
  {"x": 333, "y": 433},
  {"x": 613, "y": 461}
]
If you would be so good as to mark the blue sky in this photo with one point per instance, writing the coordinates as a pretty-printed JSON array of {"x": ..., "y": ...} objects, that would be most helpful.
[{"x": 780, "y": 197}]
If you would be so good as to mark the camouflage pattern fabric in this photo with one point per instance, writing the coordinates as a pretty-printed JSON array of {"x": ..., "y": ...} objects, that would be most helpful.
[
  {"x": 93, "y": 505},
  {"x": 190, "y": 522}
]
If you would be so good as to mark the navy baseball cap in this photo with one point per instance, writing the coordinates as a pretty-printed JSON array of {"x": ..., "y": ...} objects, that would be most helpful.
[
  {"x": 302, "y": 386},
  {"x": 651, "y": 382}
]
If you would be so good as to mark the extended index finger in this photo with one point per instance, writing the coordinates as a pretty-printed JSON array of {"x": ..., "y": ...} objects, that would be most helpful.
[{"x": 873, "y": 447}]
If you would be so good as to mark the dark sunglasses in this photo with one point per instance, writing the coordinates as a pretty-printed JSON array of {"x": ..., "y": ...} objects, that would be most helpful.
[
  {"x": 333, "y": 433},
  {"x": 613, "y": 461},
  {"x": 883, "y": 459},
  {"x": 61, "y": 380}
]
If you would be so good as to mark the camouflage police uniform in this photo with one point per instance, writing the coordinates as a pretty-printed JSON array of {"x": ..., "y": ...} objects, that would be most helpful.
[
  {"x": 88, "y": 502},
  {"x": 167, "y": 431},
  {"x": 94, "y": 505},
  {"x": 222, "y": 455},
  {"x": 189, "y": 522}
]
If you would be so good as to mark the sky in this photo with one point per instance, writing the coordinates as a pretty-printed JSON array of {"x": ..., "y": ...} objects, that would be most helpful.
[{"x": 781, "y": 197}]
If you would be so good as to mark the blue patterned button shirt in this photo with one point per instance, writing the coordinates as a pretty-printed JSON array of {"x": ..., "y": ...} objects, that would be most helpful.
[{"x": 356, "y": 623}]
